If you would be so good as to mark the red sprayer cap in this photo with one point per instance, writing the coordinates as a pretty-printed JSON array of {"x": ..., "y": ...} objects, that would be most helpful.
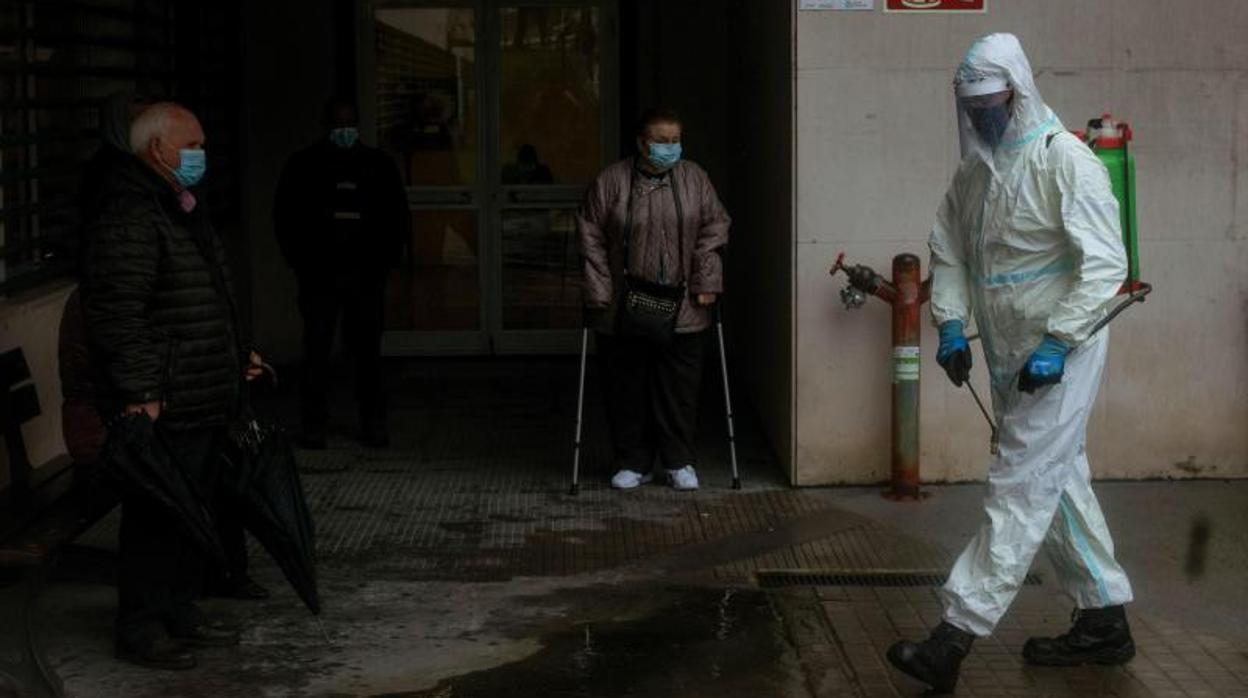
[{"x": 1111, "y": 134}]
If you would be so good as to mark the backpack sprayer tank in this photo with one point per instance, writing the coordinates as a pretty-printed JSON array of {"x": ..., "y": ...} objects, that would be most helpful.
[{"x": 1110, "y": 139}]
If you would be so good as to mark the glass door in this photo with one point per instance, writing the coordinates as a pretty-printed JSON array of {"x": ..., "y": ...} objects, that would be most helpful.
[
  {"x": 423, "y": 107},
  {"x": 497, "y": 114},
  {"x": 555, "y": 123}
]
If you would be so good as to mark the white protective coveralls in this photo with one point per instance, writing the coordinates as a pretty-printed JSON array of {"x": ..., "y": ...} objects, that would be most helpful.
[{"x": 1028, "y": 240}]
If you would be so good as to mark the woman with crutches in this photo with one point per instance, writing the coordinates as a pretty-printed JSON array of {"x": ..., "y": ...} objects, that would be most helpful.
[{"x": 650, "y": 231}]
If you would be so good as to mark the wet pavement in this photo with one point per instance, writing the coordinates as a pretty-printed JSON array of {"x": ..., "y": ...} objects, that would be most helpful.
[
  {"x": 712, "y": 643},
  {"x": 456, "y": 565}
]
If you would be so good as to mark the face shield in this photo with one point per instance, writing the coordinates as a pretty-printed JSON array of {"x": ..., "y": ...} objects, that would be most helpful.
[{"x": 984, "y": 111}]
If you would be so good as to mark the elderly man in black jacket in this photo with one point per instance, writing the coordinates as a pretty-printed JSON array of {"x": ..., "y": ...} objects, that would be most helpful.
[{"x": 161, "y": 320}]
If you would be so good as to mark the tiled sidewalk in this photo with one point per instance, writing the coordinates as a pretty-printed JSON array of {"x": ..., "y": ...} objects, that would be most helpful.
[
  {"x": 842, "y": 650},
  {"x": 456, "y": 564}
]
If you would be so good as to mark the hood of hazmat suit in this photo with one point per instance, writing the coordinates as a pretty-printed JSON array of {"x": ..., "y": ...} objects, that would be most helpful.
[
  {"x": 1027, "y": 241},
  {"x": 1027, "y": 238}
]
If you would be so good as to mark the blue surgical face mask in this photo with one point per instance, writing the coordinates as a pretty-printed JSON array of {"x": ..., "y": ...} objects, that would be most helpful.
[
  {"x": 344, "y": 137},
  {"x": 990, "y": 122},
  {"x": 664, "y": 156},
  {"x": 191, "y": 168}
]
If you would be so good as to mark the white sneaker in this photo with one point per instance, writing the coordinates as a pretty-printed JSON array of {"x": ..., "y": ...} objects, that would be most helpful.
[
  {"x": 628, "y": 479},
  {"x": 683, "y": 479}
]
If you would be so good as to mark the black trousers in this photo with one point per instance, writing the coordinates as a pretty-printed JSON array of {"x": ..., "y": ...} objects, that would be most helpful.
[
  {"x": 360, "y": 305},
  {"x": 160, "y": 573},
  {"x": 233, "y": 540},
  {"x": 652, "y": 399}
]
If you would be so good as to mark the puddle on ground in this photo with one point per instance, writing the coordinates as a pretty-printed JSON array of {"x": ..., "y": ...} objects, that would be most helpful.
[{"x": 691, "y": 643}]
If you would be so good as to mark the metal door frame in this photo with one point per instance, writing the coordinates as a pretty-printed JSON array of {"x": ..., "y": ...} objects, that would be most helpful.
[{"x": 487, "y": 195}]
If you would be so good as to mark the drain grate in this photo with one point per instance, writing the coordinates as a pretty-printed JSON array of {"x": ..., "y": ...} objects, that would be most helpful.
[{"x": 776, "y": 579}]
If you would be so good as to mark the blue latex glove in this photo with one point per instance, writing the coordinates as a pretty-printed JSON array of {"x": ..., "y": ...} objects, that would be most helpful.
[
  {"x": 954, "y": 354},
  {"x": 1045, "y": 365}
]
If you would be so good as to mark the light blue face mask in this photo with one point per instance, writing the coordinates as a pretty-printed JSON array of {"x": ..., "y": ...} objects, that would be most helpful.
[
  {"x": 344, "y": 137},
  {"x": 664, "y": 156},
  {"x": 193, "y": 165}
]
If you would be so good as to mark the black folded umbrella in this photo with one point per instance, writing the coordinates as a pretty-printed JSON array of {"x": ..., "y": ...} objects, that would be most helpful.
[
  {"x": 262, "y": 480},
  {"x": 139, "y": 459}
]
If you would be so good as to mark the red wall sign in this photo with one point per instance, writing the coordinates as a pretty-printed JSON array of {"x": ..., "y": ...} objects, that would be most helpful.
[{"x": 936, "y": 6}]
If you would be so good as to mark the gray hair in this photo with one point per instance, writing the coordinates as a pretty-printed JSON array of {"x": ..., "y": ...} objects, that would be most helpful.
[{"x": 153, "y": 122}]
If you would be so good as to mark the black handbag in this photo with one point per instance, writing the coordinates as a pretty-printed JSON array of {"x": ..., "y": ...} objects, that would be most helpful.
[{"x": 648, "y": 309}]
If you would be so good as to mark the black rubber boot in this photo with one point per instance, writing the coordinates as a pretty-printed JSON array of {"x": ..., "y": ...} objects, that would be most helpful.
[
  {"x": 936, "y": 660},
  {"x": 1098, "y": 636}
]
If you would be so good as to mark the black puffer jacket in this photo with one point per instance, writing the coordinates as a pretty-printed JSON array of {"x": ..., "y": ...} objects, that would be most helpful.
[{"x": 160, "y": 313}]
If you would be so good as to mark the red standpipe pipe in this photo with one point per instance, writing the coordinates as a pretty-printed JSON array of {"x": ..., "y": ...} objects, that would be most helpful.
[{"x": 906, "y": 293}]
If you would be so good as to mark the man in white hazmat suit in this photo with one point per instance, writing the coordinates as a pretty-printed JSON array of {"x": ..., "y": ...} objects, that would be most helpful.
[{"x": 1028, "y": 241}]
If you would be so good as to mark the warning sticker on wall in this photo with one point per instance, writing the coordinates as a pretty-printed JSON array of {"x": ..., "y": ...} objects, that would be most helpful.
[
  {"x": 905, "y": 364},
  {"x": 836, "y": 5},
  {"x": 935, "y": 5}
]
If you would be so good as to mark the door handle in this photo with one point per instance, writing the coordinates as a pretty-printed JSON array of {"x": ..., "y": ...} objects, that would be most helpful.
[
  {"x": 445, "y": 197},
  {"x": 554, "y": 196}
]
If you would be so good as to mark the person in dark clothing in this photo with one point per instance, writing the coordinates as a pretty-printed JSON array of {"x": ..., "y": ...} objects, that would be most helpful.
[
  {"x": 162, "y": 324},
  {"x": 341, "y": 218}
]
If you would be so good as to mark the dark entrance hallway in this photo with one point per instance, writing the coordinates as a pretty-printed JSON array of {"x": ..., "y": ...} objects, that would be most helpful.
[{"x": 498, "y": 114}]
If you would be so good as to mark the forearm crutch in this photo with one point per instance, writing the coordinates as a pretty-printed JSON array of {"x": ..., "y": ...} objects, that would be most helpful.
[
  {"x": 723, "y": 369},
  {"x": 580, "y": 409}
]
